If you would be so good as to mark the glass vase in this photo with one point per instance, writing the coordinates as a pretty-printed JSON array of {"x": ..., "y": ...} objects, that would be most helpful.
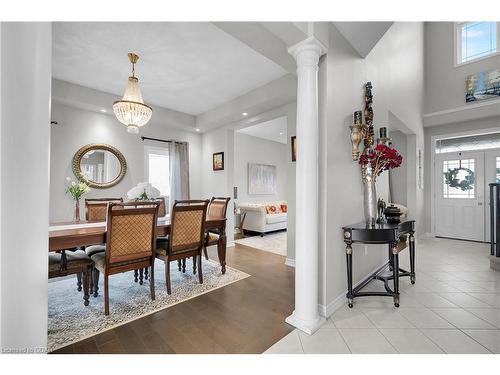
[
  {"x": 76, "y": 217},
  {"x": 369, "y": 196}
]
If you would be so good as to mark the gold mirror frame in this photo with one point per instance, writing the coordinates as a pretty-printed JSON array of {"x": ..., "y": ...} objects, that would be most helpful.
[{"x": 98, "y": 146}]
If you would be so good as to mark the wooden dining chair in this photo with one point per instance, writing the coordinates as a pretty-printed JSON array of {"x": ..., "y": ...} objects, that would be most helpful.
[
  {"x": 187, "y": 232},
  {"x": 66, "y": 263},
  {"x": 96, "y": 210},
  {"x": 217, "y": 208},
  {"x": 130, "y": 243}
]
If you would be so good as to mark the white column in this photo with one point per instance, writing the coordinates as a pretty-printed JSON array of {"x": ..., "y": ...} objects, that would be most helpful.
[
  {"x": 26, "y": 65},
  {"x": 305, "y": 316}
]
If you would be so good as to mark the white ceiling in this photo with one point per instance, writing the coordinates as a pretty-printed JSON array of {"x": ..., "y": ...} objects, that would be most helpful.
[
  {"x": 363, "y": 36},
  {"x": 272, "y": 130},
  {"x": 186, "y": 66}
]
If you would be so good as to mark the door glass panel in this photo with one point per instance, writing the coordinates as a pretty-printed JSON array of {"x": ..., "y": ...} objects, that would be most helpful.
[
  {"x": 459, "y": 178},
  {"x": 497, "y": 170}
]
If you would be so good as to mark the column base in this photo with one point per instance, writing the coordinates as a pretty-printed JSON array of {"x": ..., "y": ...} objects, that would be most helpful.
[{"x": 307, "y": 326}]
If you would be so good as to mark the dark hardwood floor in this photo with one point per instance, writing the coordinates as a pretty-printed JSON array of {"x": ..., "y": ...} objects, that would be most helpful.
[{"x": 244, "y": 317}]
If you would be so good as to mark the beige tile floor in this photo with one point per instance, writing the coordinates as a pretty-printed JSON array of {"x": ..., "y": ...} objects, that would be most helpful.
[{"x": 454, "y": 307}]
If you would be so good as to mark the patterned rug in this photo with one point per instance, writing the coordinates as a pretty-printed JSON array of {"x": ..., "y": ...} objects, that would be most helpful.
[
  {"x": 272, "y": 242},
  {"x": 70, "y": 321}
]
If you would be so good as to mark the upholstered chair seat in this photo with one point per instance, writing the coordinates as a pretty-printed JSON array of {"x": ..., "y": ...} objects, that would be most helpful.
[
  {"x": 74, "y": 260},
  {"x": 94, "y": 249},
  {"x": 69, "y": 263},
  {"x": 99, "y": 260}
]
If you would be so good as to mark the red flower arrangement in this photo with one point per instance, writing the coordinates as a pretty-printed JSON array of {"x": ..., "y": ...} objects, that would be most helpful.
[{"x": 382, "y": 158}]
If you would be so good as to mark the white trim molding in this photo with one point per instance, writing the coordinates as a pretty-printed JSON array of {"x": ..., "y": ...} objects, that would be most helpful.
[{"x": 472, "y": 111}]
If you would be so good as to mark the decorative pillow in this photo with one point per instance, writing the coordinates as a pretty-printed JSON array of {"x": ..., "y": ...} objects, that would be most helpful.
[
  {"x": 284, "y": 208},
  {"x": 272, "y": 209}
]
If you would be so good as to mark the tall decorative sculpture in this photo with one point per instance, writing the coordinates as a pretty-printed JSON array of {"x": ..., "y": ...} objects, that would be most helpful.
[{"x": 373, "y": 161}]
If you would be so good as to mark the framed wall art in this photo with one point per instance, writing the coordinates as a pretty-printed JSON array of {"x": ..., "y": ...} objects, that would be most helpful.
[
  {"x": 262, "y": 179},
  {"x": 218, "y": 161}
]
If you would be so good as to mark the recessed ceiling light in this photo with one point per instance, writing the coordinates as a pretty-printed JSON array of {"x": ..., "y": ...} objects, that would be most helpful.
[
  {"x": 197, "y": 129},
  {"x": 103, "y": 110},
  {"x": 245, "y": 114},
  {"x": 281, "y": 133}
]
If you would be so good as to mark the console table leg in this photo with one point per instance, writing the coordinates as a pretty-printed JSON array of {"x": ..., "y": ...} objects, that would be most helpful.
[
  {"x": 391, "y": 261},
  {"x": 395, "y": 270},
  {"x": 412, "y": 258},
  {"x": 348, "y": 252}
]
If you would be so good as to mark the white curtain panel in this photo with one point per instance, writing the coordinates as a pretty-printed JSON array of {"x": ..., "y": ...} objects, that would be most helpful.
[{"x": 179, "y": 171}]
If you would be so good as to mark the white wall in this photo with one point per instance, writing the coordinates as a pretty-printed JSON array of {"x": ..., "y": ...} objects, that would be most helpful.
[
  {"x": 395, "y": 68},
  {"x": 24, "y": 188},
  {"x": 219, "y": 183},
  {"x": 398, "y": 175},
  {"x": 445, "y": 82},
  {"x": 78, "y": 127},
  {"x": 249, "y": 149}
]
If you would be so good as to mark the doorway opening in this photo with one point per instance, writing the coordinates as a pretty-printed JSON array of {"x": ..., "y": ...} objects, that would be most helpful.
[
  {"x": 464, "y": 166},
  {"x": 261, "y": 171}
]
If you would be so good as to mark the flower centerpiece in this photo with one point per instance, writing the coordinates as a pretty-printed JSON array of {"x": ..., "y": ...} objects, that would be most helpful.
[
  {"x": 373, "y": 162},
  {"x": 380, "y": 159},
  {"x": 77, "y": 190}
]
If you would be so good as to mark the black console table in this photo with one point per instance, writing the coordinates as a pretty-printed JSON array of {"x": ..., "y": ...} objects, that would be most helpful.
[{"x": 395, "y": 236}]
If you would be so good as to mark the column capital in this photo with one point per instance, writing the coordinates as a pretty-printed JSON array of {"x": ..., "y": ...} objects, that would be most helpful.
[{"x": 310, "y": 44}]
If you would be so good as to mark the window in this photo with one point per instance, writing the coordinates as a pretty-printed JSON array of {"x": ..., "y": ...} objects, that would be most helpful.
[
  {"x": 459, "y": 178},
  {"x": 498, "y": 170},
  {"x": 158, "y": 171},
  {"x": 476, "y": 40}
]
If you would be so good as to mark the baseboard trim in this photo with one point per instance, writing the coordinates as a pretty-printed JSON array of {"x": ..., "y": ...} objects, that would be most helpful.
[
  {"x": 290, "y": 262},
  {"x": 340, "y": 300},
  {"x": 230, "y": 244}
]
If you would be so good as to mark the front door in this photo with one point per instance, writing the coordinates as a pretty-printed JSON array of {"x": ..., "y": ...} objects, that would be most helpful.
[{"x": 459, "y": 195}]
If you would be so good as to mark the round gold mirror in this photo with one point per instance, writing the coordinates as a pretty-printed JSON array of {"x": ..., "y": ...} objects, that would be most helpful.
[{"x": 99, "y": 165}]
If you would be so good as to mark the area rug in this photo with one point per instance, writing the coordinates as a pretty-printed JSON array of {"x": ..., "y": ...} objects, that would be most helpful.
[
  {"x": 70, "y": 321},
  {"x": 273, "y": 242}
]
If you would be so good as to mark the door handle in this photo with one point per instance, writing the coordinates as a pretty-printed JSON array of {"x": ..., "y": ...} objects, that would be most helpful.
[{"x": 479, "y": 203}]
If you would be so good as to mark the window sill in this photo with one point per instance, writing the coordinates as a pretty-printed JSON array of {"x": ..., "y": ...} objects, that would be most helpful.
[{"x": 458, "y": 65}]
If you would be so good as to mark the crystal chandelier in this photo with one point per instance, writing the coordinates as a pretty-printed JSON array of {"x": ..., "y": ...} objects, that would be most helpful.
[{"x": 131, "y": 110}]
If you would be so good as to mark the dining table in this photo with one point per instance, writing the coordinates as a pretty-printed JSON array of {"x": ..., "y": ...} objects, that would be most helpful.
[{"x": 68, "y": 235}]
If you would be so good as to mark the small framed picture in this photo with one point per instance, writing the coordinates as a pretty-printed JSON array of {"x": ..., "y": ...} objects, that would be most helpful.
[
  {"x": 218, "y": 161},
  {"x": 294, "y": 148}
]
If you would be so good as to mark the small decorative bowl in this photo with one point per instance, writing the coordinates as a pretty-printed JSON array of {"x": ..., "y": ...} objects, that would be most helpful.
[{"x": 392, "y": 214}]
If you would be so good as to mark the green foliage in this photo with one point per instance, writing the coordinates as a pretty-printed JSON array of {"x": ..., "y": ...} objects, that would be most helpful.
[
  {"x": 77, "y": 189},
  {"x": 450, "y": 178}
]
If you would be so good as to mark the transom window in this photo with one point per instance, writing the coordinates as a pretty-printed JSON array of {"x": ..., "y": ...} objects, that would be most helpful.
[
  {"x": 468, "y": 143},
  {"x": 476, "y": 40}
]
